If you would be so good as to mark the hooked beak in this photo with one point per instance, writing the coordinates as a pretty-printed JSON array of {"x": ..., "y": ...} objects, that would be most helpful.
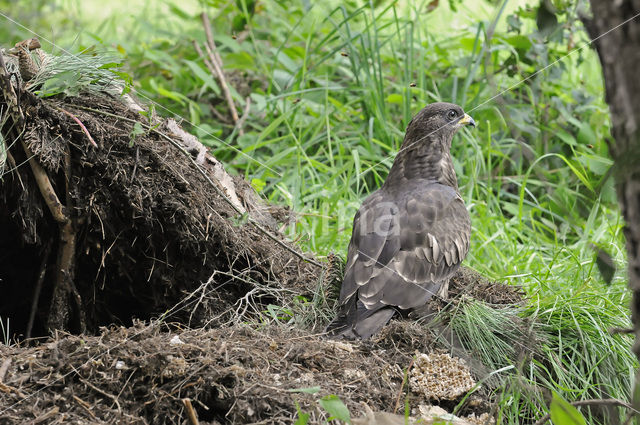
[{"x": 466, "y": 120}]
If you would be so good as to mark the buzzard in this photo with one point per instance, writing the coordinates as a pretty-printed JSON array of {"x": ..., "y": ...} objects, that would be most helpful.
[{"x": 409, "y": 236}]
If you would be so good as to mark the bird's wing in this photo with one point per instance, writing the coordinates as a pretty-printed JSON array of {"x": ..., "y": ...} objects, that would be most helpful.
[
  {"x": 372, "y": 243},
  {"x": 405, "y": 246}
]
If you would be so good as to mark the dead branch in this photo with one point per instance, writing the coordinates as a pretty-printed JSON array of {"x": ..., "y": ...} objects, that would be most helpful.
[
  {"x": 624, "y": 331},
  {"x": 46, "y": 188},
  {"x": 215, "y": 65},
  {"x": 65, "y": 271},
  {"x": 86, "y": 406}
]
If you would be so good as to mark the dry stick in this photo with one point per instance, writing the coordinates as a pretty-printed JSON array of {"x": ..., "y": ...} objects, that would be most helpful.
[
  {"x": 216, "y": 61},
  {"x": 601, "y": 402},
  {"x": 46, "y": 188},
  {"x": 211, "y": 45},
  {"x": 86, "y": 406},
  {"x": 38, "y": 289},
  {"x": 211, "y": 182},
  {"x": 65, "y": 264},
  {"x": 191, "y": 414},
  {"x": 46, "y": 416},
  {"x": 216, "y": 70}
]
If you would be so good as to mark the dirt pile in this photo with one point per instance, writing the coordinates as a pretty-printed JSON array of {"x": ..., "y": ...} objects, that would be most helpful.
[
  {"x": 140, "y": 375},
  {"x": 268, "y": 374},
  {"x": 143, "y": 224}
]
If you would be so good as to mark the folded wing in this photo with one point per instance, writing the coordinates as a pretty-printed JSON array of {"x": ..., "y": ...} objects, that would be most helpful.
[{"x": 403, "y": 248}]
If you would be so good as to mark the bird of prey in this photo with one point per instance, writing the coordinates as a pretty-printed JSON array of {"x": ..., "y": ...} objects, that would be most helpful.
[{"x": 411, "y": 235}]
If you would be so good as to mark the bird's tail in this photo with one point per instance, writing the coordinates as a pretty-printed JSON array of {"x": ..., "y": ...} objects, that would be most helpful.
[{"x": 355, "y": 321}]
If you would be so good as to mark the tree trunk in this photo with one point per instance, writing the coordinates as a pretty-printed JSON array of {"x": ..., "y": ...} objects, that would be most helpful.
[{"x": 615, "y": 27}]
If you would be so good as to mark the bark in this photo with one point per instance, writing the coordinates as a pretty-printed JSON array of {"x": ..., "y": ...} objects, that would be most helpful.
[{"x": 619, "y": 52}]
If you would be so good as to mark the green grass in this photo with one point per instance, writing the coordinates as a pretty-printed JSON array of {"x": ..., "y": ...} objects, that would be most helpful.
[
  {"x": 556, "y": 343},
  {"x": 331, "y": 90}
]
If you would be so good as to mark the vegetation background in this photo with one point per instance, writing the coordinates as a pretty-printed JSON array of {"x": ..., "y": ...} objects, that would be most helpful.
[{"x": 328, "y": 89}]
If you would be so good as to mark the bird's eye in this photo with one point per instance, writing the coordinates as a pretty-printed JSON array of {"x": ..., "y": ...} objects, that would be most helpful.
[{"x": 452, "y": 114}]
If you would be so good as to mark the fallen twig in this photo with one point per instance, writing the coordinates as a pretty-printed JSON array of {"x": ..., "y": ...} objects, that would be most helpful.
[
  {"x": 191, "y": 414},
  {"x": 46, "y": 188},
  {"x": 216, "y": 69},
  {"x": 64, "y": 287},
  {"x": 86, "y": 406},
  {"x": 47, "y": 415}
]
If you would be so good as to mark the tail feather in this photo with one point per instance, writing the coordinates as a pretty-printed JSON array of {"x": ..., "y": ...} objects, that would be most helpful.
[{"x": 355, "y": 321}]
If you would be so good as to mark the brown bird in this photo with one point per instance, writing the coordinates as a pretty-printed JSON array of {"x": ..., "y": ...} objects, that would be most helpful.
[{"x": 411, "y": 235}]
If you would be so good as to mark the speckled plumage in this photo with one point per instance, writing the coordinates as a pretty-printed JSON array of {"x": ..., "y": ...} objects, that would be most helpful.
[{"x": 411, "y": 235}]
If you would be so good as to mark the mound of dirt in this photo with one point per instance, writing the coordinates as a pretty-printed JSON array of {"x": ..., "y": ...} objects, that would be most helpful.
[
  {"x": 114, "y": 219},
  {"x": 140, "y": 375},
  {"x": 471, "y": 283}
]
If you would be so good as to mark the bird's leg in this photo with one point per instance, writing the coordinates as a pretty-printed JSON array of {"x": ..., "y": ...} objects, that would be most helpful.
[
  {"x": 427, "y": 312},
  {"x": 443, "y": 292}
]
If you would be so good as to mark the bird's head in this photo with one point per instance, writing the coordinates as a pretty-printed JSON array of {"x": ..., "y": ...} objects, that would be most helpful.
[
  {"x": 427, "y": 143},
  {"x": 437, "y": 122}
]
